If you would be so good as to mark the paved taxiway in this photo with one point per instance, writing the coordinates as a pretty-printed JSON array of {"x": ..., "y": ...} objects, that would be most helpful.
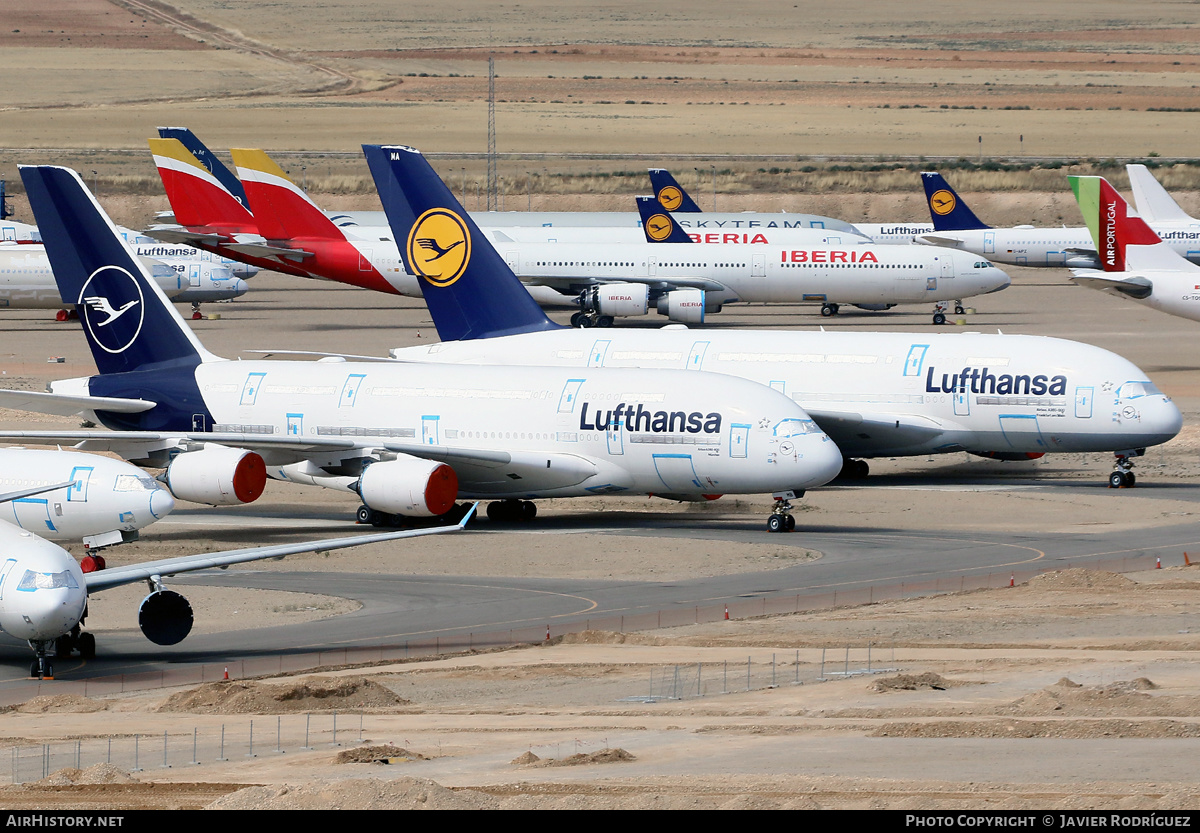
[{"x": 281, "y": 313}]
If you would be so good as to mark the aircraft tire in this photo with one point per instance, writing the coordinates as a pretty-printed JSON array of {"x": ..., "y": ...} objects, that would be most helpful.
[
  {"x": 939, "y": 318},
  {"x": 790, "y": 524},
  {"x": 775, "y": 523},
  {"x": 87, "y": 645},
  {"x": 604, "y": 321},
  {"x": 1117, "y": 480}
]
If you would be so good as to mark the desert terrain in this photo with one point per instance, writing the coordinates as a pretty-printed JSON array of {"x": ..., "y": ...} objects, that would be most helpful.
[{"x": 1061, "y": 692}]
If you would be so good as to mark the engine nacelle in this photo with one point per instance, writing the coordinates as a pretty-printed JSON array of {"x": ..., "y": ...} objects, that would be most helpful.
[
  {"x": 165, "y": 617},
  {"x": 685, "y": 305},
  {"x": 617, "y": 299},
  {"x": 218, "y": 476},
  {"x": 409, "y": 486},
  {"x": 1010, "y": 455}
]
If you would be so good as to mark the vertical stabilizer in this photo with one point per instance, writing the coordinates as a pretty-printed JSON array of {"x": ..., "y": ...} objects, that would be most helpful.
[
  {"x": 130, "y": 325},
  {"x": 469, "y": 288},
  {"x": 670, "y": 194},
  {"x": 198, "y": 199},
  {"x": 658, "y": 225},
  {"x": 282, "y": 210},
  {"x": 946, "y": 208},
  {"x": 1123, "y": 240},
  {"x": 1153, "y": 202},
  {"x": 208, "y": 159}
]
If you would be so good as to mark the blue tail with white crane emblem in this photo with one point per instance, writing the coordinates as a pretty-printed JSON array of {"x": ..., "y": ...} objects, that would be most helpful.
[
  {"x": 141, "y": 346},
  {"x": 670, "y": 194},
  {"x": 946, "y": 208},
  {"x": 470, "y": 290}
]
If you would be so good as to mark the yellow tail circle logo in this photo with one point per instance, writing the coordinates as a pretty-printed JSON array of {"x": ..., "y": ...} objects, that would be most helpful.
[
  {"x": 658, "y": 227},
  {"x": 439, "y": 246},
  {"x": 942, "y": 202},
  {"x": 670, "y": 198}
]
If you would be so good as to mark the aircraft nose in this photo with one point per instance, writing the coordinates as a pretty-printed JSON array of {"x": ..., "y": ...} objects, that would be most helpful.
[
  {"x": 996, "y": 279},
  {"x": 1161, "y": 421},
  {"x": 161, "y": 503},
  {"x": 239, "y": 288},
  {"x": 821, "y": 461}
]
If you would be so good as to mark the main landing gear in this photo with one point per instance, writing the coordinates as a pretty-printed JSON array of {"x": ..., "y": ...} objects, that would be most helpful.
[
  {"x": 1122, "y": 476},
  {"x": 196, "y": 315},
  {"x": 828, "y": 310},
  {"x": 583, "y": 320},
  {"x": 780, "y": 519},
  {"x": 854, "y": 470},
  {"x": 511, "y": 511}
]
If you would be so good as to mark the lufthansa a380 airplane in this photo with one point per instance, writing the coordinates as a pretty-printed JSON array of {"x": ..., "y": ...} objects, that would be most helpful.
[
  {"x": 876, "y": 394},
  {"x": 44, "y": 591},
  {"x": 407, "y": 439}
]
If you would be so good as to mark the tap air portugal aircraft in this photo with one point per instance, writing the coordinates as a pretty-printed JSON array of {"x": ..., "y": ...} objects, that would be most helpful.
[
  {"x": 44, "y": 591},
  {"x": 877, "y": 394},
  {"x": 957, "y": 226},
  {"x": 1136, "y": 263},
  {"x": 186, "y": 274},
  {"x": 408, "y": 439},
  {"x": 866, "y": 275}
]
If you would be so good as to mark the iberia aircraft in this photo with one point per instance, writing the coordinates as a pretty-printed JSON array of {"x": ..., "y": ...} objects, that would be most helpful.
[
  {"x": 1137, "y": 264},
  {"x": 1010, "y": 397},
  {"x": 408, "y": 439},
  {"x": 44, "y": 591}
]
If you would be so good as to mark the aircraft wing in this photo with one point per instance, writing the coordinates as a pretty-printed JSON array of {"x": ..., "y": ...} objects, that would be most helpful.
[
  {"x": 657, "y": 285},
  {"x": 1130, "y": 285},
  {"x": 940, "y": 240},
  {"x": 884, "y": 428},
  {"x": 64, "y": 404},
  {"x": 34, "y": 490},
  {"x": 116, "y": 576}
]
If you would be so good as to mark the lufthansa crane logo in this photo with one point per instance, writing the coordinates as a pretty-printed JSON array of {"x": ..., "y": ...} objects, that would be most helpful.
[
  {"x": 942, "y": 202},
  {"x": 439, "y": 246},
  {"x": 658, "y": 227},
  {"x": 112, "y": 308},
  {"x": 670, "y": 198}
]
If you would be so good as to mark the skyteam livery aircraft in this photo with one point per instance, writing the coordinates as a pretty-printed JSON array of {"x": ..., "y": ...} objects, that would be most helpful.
[
  {"x": 408, "y": 439},
  {"x": 1137, "y": 264},
  {"x": 44, "y": 591},
  {"x": 877, "y": 394}
]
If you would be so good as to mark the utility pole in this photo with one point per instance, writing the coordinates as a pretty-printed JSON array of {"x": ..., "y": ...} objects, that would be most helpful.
[{"x": 491, "y": 172}]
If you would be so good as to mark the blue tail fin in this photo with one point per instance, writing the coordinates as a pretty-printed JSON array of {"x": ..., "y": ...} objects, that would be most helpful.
[
  {"x": 471, "y": 292},
  {"x": 130, "y": 325},
  {"x": 658, "y": 224},
  {"x": 206, "y": 158},
  {"x": 946, "y": 208},
  {"x": 670, "y": 193}
]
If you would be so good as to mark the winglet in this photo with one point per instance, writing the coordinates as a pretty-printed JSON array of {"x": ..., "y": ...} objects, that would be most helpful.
[
  {"x": 470, "y": 514},
  {"x": 470, "y": 291},
  {"x": 946, "y": 208},
  {"x": 670, "y": 194},
  {"x": 1123, "y": 240},
  {"x": 658, "y": 225}
]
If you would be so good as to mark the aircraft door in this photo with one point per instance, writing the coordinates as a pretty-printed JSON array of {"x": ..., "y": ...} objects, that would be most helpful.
[
  {"x": 295, "y": 425},
  {"x": 194, "y": 274},
  {"x": 758, "y": 268},
  {"x": 696, "y": 356},
  {"x": 962, "y": 399},
  {"x": 430, "y": 425},
  {"x": 989, "y": 242},
  {"x": 198, "y": 423},
  {"x": 651, "y": 266},
  {"x": 350, "y": 390},
  {"x": 915, "y": 359},
  {"x": 364, "y": 261},
  {"x": 569, "y": 395},
  {"x": 739, "y": 440},
  {"x": 616, "y": 439},
  {"x": 1083, "y": 402},
  {"x": 33, "y": 514},
  {"x": 77, "y": 492},
  {"x": 677, "y": 472},
  {"x": 4, "y": 571},
  {"x": 250, "y": 388},
  {"x": 513, "y": 259},
  {"x": 599, "y": 351}
]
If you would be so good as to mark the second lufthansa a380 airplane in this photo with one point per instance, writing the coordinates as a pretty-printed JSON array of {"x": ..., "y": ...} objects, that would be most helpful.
[
  {"x": 877, "y": 394},
  {"x": 408, "y": 439}
]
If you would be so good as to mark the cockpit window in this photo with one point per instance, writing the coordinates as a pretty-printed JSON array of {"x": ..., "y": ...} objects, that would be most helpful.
[
  {"x": 135, "y": 483},
  {"x": 1136, "y": 390},
  {"x": 46, "y": 581},
  {"x": 796, "y": 428}
]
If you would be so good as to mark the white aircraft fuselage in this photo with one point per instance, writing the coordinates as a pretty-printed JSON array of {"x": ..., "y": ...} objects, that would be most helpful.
[
  {"x": 889, "y": 394},
  {"x": 42, "y": 589},
  {"x": 27, "y": 281},
  {"x": 1062, "y": 247}
]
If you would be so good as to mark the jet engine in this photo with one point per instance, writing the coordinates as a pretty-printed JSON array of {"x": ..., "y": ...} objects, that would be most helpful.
[
  {"x": 409, "y": 486},
  {"x": 218, "y": 476},
  {"x": 616, "y": 299},
  {"x": 165, "y": 617},
  {"x": 686, "y": 306}
]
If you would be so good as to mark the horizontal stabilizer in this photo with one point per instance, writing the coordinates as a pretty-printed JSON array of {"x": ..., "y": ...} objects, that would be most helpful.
[
  {"x": 182, "y": 236},
  {"x": 1133, "y": 286},
  {"x": 266, "y": 250},
  {"x": 66, "y": 404}
]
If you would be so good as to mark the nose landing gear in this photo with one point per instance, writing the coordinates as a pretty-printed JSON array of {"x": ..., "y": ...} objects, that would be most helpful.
[
  {"x": 1122, "y": 476},
  {"x": 780, "y": 519}
]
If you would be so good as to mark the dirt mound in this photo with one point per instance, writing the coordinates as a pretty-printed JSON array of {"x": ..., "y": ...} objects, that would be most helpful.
[
  {"x": 64, "y": 703},
  {"x": 525, "y": 758},
  {"x": 1072, "y": 729},
  {"x": 95, "y": 774},
  {"x": 1079, "y": 579},
  {"x": 604, "y": 756},
  {"x": 377, "y": 755},
  {"x": 238, "y": 697},
  {"x": 357, "y": 794},
  {"x": 1123, "y": 697},
  {"x": 605, "y": 638},
  {"x": 914, "y": 682}
]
